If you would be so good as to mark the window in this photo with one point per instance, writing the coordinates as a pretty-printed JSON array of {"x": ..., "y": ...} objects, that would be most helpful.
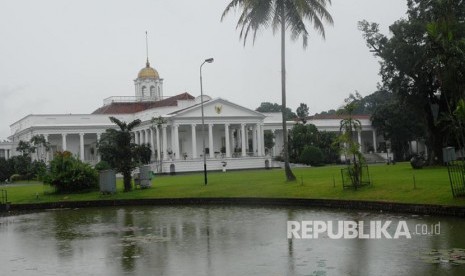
[{"x": 152, "y": 90}]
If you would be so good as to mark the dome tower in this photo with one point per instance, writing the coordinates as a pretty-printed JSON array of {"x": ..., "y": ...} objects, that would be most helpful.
[{"x": 148, "y": 85}]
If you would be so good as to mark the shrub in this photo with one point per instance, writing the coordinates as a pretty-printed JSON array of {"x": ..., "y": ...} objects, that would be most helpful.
[
  {"x": 102, "y": 165},
  {"x": 311, "y": 156},
  {"x": 16, "y": 177},
  {"x": 69, "y": 174},
  {"x": 38, "y": 170},
  {"x": 6, "y": 170}
]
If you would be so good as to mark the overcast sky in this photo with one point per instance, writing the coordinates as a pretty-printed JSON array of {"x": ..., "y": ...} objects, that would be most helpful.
[{"x": 67, "y": 56}]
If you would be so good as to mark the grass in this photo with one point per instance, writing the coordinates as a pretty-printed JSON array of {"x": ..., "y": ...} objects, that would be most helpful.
[{"x": 394, "y": 183}]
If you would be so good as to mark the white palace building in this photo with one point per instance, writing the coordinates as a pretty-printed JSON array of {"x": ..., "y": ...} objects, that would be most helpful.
[{"x": 233, "y": 133}]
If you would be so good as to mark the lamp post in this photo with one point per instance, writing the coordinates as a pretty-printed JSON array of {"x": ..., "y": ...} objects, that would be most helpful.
[{"x": 208, "y": 60}]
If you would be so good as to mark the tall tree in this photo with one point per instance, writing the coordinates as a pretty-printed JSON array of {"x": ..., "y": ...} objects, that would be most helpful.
[
  {"x": 302, "y": 112},
  {"x": 423, "y": 63},
  {"x": 116, "y": 148},
  {"x": 41, "y": 146},
  {"x": 25, "y": 148},
  {"x": 399, "y": 124},
  {"x": 281, "y": 15},
  {"x": 274, "y": 107}
]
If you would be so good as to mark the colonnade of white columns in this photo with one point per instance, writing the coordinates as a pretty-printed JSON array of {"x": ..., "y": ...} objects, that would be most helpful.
[{"x": 159, "y": 141}]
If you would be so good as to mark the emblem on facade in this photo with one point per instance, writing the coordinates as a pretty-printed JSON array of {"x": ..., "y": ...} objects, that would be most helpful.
[{"x": 218, "y": 108}]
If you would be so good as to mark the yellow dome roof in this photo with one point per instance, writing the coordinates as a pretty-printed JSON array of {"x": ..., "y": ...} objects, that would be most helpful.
[{"x": 148, "y": 72}]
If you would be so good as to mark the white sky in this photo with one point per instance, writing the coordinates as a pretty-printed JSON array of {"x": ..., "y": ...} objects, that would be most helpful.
[{"x": 67, "y": 56}]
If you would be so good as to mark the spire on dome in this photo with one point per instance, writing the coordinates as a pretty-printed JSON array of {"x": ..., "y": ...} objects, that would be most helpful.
[
  {"x": 147, "y": 71},
  {"x": 147, "y": 49}
]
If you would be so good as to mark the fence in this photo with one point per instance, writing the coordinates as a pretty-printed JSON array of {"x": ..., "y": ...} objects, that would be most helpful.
[
  {"x": 456, "y": 171},
  {"x": 352, "y": 179}
]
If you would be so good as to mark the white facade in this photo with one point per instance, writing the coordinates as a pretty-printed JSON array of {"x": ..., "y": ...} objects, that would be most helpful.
[{"x": 232, "y": 133}]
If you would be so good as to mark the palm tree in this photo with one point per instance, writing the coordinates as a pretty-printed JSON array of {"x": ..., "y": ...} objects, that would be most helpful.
[
  {"x": 348, "y": 126},
  {"x": 40, "y": 145},
  {"x": 284, "y": 15},
  {"x": 116, "y": 148}
]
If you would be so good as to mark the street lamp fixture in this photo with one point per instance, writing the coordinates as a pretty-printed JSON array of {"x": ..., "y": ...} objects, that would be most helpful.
[{"x": 208, "y": 60}]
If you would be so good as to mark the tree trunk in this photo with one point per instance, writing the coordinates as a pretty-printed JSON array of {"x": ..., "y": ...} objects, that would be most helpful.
[
  {"x": 289, "y": 175},
  {"x": 127, "y": 181}
]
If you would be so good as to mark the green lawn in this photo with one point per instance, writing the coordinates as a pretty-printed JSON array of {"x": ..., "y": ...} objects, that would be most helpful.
[{"x": 392, "y": 183}]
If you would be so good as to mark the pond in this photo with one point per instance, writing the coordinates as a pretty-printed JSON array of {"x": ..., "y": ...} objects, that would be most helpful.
[{"x": 221, "y": 240}]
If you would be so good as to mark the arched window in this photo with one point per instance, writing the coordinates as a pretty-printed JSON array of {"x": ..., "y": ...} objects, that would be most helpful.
[
  {"x": 152, "y": 91},
  {"x": 144, "y": 91}
]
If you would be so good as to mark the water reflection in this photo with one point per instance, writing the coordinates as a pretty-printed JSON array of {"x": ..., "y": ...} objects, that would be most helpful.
[{"x": 212, "y": 241}]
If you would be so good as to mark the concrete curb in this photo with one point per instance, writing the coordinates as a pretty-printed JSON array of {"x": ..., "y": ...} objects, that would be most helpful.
[{"x": 421, "y": 209}]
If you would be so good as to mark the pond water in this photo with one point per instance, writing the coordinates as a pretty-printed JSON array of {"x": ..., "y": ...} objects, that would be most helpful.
[{"x": 219, "y": 240}]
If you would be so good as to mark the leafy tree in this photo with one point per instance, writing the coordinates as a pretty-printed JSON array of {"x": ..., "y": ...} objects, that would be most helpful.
[
  {"x": 269, "y": 139},
  {"x": 116, "y": 148},
  {"x": 300, "y": 137},
  {"x": 302, "y": 112},
  {"x": 21, "y": 165},
  {"x": 281, "y": 15},
  {"x": 399, "y": 124},
  {"x": 329, "y": 112},
  {"x": 143, "y": 153},
  {"x": 39, "y": 145},
  {"x": 25, "y": 148},
  {"x": 368, "y": 104},
  {"x": 274, "y": 107},
  {"x": 423, "y": 63},
  {"x": 328, "y": 146}
]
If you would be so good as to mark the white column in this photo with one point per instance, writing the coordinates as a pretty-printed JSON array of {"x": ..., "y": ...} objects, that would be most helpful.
[
  {"x": 359, "y": 139},
  {"x": 259, "y": 141},
  {"x": 231, "y": 140},
  {"x": 63, "y": 143},
  {"x": 226, "y": 138},
  {"x": 136, "y": 137},
  {"x": 98, "y": 154},
  {"x": 374, "y": 141},
  {"x": 152, "y": 144},
  {"x": 273, "y": 131},
  {"x": 176, "y": 141},
  {"x": 158, "y": 142},
  {"x": 262, "y": 139},
  {"x": 210, "y": 140},
  {"x": 81, "y": 146},
  {"x": 194, "y": 141},
  {"x": 247, "y": 139},
  {"x": 254, "y": 138},
  {"x": 45, "y": 150},
  {"x": 147, "y": 136},
  {"x": 165, "y": 142},
  {"x": 243, "y": 140}
]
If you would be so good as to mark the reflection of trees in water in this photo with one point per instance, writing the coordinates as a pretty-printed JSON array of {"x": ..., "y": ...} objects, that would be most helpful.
[
  {"x": 130, "y": 247},
  {"x": 290, "y": 245},
  {"x": 65, "y": 224},
  {"x": 71, "y": 225}
]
